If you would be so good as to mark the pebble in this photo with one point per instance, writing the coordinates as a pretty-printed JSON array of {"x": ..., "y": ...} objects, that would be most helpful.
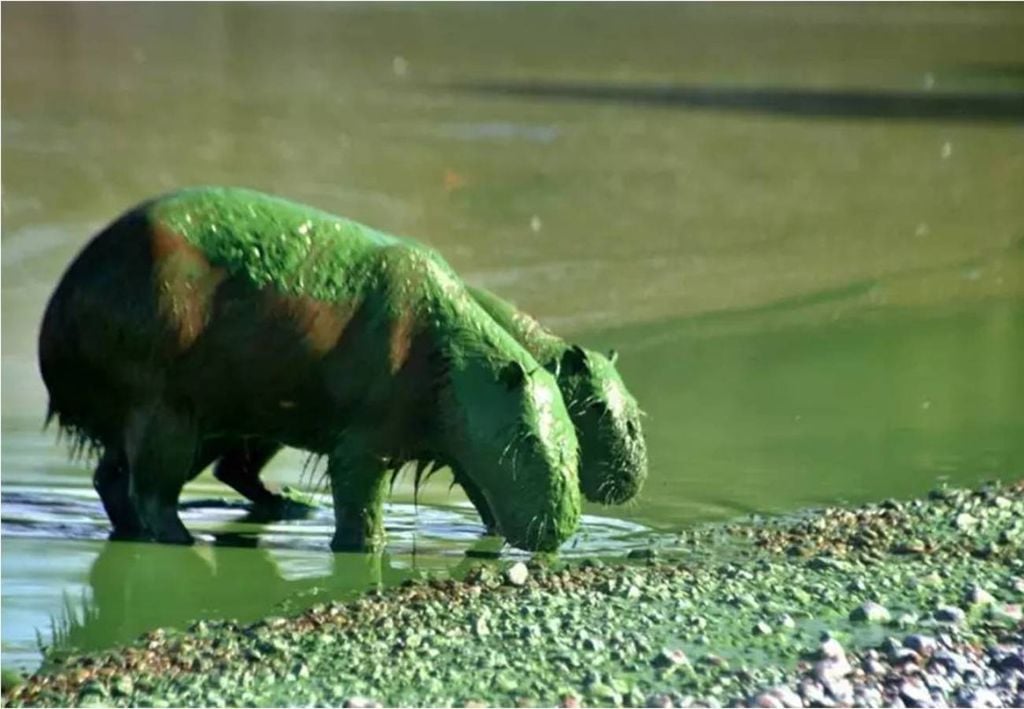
[
  {"x": 980, "y": 697},
  {"x": 517, "y": 574},
  {"x": 873, "y": 667},
  {"x": 1011, "y": 662},
  {"x": 814, "y": 694},
  {"x": 777, "y": 698},
  {"x": 830, "y": 649},
  {"x": 123, "y": 686},
  {"x": 921, "y": 644},
  {"x": 965, "y": 521},
  {"x": 914, "y": 693},
  {"x": 870, "y": 612},
  {"x": 827, "y": 671},
  {"x": 670, "y": 658},
  {"x": 952, "y": 661},
  {"x": 950, "y": 614},
  {"x": 841, "y": 690},
  {"x": 360, "y": 703},
  {"x": 978, "y": 596}
]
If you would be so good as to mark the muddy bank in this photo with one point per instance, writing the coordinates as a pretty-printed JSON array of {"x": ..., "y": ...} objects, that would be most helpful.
[{"x": 915, "y": 603}]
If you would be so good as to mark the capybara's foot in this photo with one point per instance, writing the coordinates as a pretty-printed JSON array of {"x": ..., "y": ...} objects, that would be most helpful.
[{"x": 163, "y": 524}]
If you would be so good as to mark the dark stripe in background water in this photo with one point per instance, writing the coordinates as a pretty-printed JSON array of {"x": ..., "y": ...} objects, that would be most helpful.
[{"x": 800, "y": 225}]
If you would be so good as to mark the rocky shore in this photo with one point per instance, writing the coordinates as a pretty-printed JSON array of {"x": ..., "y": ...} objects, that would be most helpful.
[{"x": 894, "y": 604}]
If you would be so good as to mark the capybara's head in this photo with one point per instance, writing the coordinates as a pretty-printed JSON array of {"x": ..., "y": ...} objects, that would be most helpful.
[
  {"x": 613, "y": 454},
  {"x": 509, "y": 430}
]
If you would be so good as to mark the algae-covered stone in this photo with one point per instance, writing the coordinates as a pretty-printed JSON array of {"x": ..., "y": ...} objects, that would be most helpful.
[
  {"x": 122, "y": 686},
  {"x": 870, "y": 612},
  {"x": 965, "y": 521},
  {"x": 978, "y": 596},
  {"x": 670, "y": 658},
  {"x": 646, "y": 553}
]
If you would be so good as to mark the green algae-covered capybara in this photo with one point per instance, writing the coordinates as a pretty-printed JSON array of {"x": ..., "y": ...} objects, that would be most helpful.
[
  {"x": 218, "y": 314},
  {"x": 613, "y": 454}
]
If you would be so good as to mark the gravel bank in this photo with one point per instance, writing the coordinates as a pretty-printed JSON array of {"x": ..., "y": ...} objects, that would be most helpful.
[{"x": 901, "y": 603}]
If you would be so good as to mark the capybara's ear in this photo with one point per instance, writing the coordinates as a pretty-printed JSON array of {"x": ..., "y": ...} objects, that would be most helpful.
[
  {"x": 613, "y": 356},
  {"x": 574, "y": 360},
  {"x": 512, "y": 375}
]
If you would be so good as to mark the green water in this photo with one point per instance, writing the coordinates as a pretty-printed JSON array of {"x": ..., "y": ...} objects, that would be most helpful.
[{"x": 801, "y": 226}]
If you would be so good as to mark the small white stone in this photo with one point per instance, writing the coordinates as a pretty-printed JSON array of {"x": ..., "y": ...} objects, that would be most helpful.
[
  {"x": 517, "y": 574},
  {"x": 831, "y": 650},
  {"x": 965, "y": 520}
]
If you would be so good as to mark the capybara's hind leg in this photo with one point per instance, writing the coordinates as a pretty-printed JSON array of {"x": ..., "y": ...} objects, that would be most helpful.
[
  {"x": 111, "y": 482},
  {"x": 161, "y": 448},
  {"x": 240, "y": 466}
]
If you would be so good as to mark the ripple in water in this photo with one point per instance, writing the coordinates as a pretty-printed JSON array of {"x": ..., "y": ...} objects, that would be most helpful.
[{"x": 77, "y": 514}]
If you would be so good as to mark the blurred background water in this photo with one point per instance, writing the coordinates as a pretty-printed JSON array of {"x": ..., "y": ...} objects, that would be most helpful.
[{"x": 802, "y": 227}]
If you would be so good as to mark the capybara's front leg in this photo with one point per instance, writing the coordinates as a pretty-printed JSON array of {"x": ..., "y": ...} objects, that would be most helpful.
[
  {"x": 160, "y": 444},
  {"x": 358, "y": 485}
]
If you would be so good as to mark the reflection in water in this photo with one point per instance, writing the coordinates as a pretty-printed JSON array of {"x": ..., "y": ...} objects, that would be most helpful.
[
  {"x": 807, "y": 103},
  {"x": 59, "y": 570},
  {"x": 135, "y": 587}
]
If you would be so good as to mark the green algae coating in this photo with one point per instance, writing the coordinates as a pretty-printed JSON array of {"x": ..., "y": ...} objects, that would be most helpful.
[
  {"x": 613, "y": 452},
  {"x": 291, "y": 247}
]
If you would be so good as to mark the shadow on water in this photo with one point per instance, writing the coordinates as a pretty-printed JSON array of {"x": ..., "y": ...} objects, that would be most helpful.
[{"x": 806, "y": 103}]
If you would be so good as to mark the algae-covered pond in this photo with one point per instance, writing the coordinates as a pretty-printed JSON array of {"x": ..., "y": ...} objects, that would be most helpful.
[{"x": 800, "y": 226}]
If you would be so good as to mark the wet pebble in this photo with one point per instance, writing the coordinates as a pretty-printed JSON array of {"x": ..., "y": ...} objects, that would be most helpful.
[
  {"x": 949, "y": 614},
  {"x": 777, "y": 697},
  {"x": 870, "y": 612},
  {"x": 978, "y": 596},
  {"x": 914, "y": 693},
  {"x": 517, "y": 574},
  {"x": 669, "y": 658},
  {"x": 921, "y": 644}
]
